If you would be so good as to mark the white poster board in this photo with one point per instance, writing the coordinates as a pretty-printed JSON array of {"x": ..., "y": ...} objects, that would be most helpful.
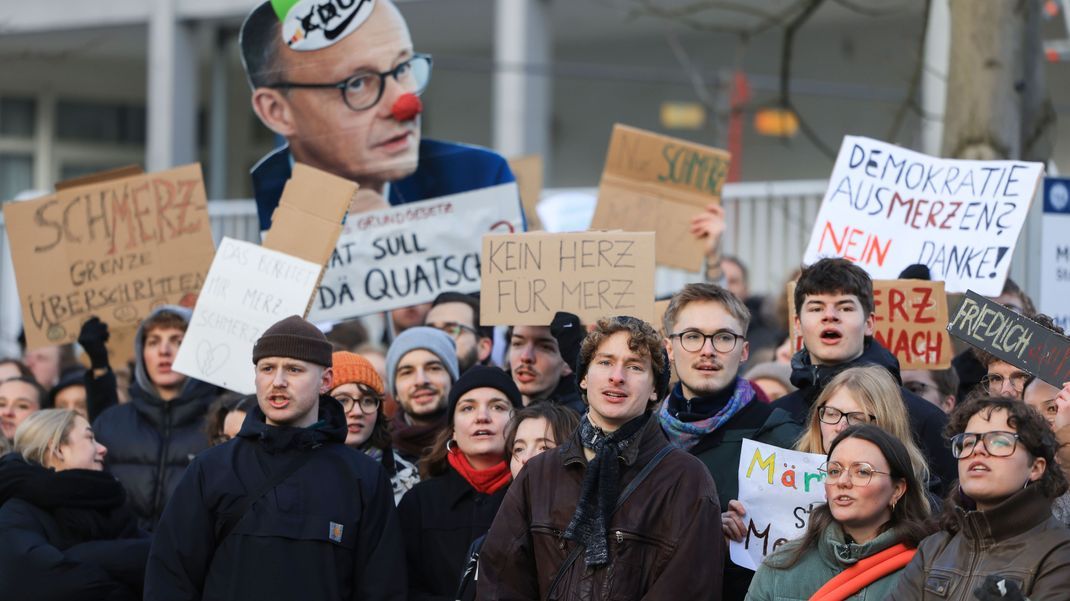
[
  {"x": 887, "y": 207},
  {"x": 248, "y": 289},
  {"x": 1055, "y": 252},
  {"x": 778, "y": 487},
  {"x": 409, "y": 254}
]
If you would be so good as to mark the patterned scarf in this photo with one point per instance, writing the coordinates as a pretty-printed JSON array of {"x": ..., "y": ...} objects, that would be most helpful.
[
  {"x": 601, "y": 483},
  {"x": 684, "y": 435}
]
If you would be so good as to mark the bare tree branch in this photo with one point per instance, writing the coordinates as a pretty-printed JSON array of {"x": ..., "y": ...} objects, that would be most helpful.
[{"x": 786, "y": 52}]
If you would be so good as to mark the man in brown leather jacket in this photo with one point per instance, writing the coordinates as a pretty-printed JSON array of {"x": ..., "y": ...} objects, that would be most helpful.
[{"x": 558, "y": 534}]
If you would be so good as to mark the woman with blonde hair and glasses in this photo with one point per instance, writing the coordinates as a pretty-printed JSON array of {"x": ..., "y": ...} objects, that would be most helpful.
[
  {"x": 862, "y": 395},
  {"x": 65, "y": 531}
]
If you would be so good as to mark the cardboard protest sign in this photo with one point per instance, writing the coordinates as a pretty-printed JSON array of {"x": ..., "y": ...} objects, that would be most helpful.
[
  {"x": 655, "y": 182},
  {"x": 910, "y": 320},
  {"x": 1013, "y": 338},
  {"x": 526, "y": 278},
  {"x": 411, "y": 253},
  {"x": 887, "y": 207},
  {"x": 115, "y": 249},
  {"x": 779, "y": 487},
  {"x": 1055, "y": 252},
  {"x": 528, "y": 173},
  {"x": 308, "y": 220},
  {"x": 248, "y": 289}
]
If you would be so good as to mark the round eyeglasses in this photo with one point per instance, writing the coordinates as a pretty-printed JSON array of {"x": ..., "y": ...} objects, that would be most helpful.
[
  {"x": 997, "y": 444},
  {"x": 860, "y": 473},
  {"x": 692, "y": 341},
  {"x": 993, "y": 383},
  {"x": 363, "y": 90},
  {"x": 368, "y": 404}
]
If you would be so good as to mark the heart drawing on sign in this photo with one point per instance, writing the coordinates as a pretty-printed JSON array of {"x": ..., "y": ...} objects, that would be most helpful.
[{"x": 211, "y": 358}]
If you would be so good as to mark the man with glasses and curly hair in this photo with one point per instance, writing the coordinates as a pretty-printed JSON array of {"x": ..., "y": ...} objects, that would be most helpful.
[{"x": 341, "y": 82}]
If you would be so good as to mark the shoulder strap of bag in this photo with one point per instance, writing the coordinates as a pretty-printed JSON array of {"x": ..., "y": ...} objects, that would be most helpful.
[
  {"x": 231, "y": 518},
  {"x": 627, "y": 492}
]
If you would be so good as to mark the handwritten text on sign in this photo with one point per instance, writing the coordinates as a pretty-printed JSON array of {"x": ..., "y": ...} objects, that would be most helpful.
[
  {"x": 115, "y": 249},
  {"x": 248, "y": 289},
  {"x": 655, "y": 182},
  {"x": 887, "y": 207},
  {"x": 779, "y": 488},
  {"x": 909, "y": 318},
  {"x": 409, "y": 254},
  {"x": 1013, "y": 338},
  {"x": 529, "y": 277}
]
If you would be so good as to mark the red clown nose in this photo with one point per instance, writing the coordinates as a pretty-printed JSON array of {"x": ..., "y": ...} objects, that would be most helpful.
[{"x": 407, "y": 107}]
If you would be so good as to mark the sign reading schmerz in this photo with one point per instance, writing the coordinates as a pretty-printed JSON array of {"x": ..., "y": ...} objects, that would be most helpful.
[{"x": 1013, "y": 338}]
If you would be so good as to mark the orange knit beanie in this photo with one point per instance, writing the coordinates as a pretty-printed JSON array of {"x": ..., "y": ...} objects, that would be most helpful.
[{"x": 350, "y": 368}]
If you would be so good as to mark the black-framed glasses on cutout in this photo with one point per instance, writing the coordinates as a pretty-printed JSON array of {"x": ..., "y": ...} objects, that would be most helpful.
[
  {"x": 363, "y": 90},
  {"x": 692, "y": 341}
]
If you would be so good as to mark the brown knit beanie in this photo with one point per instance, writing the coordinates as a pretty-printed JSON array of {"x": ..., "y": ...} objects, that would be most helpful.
[
  {"x": 294, "y": 338},
  {"x": 351, "y": 368}
]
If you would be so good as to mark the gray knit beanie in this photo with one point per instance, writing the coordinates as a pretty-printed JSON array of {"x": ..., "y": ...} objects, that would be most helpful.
[{"x": 433, "y": 340}]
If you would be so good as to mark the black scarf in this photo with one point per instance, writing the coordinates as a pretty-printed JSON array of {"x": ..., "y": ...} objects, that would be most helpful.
[
  {"x": 329, "y": 427},
  {"x": 601, "y": 486},
  {"x": 86, "y": 504}
]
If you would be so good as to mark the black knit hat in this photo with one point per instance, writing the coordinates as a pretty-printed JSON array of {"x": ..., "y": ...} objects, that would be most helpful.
[
  {"x": 569, "y": 333},
  {"x": 482, "y": 376},
  {"x": 294, "y": 338}
]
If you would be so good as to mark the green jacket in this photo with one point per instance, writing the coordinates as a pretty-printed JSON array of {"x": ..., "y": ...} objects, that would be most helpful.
[{"x": 820, "y": 565}]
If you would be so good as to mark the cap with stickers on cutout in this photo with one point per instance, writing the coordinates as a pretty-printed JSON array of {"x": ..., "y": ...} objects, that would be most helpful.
[{"x": 317, "y": 24}]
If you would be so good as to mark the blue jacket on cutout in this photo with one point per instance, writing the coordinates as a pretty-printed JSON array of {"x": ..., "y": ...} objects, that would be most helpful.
[{"x": 444, "y": 168}]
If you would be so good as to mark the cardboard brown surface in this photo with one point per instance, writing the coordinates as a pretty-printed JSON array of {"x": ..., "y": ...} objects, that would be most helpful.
[
  {"x": 528, "y": 171},
  {"x": 652, "y": 180},
  {"x": 308, "y": 220},
  {"x": 115, "y": 249},
  {"x": 910, "y": 320},
  {"x": 528, "y": 277},
  {"x": 100, "y": 176}
]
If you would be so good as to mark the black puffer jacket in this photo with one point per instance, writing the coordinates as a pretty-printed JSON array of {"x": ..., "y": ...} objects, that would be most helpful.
[
  {"x": 151, "y": 441},
  {"x": 927, "y": 421},
  {"x": 329, "y": 531},
  {"x": 66, "y": 535}
]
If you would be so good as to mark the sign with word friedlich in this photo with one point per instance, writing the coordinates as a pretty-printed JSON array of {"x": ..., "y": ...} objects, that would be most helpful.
[
  {"x": 411, "y": 253},
  {"x": 526, "y": 278},
  {"x": 655, "y": 182},
  {"x": 115, "y": 248},
  {"x": 778, "y": 488},
  {"x": 248, "y": 289},
  {"x": 1013, "y": 338},
  {"x": 909, "y": 319},
  {"x": 887, "y": 207}
]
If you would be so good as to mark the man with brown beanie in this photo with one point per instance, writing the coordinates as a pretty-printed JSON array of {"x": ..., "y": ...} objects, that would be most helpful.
[{"x": 284, "y": 510}]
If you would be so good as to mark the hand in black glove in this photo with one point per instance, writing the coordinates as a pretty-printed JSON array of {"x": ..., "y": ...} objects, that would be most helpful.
[
  {"x": 92, "y": 338},
  {"x": 998, "y": 588}
]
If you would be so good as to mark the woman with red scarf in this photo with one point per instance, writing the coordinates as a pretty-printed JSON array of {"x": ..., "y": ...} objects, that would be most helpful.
[{"x": 464, "y": 477}]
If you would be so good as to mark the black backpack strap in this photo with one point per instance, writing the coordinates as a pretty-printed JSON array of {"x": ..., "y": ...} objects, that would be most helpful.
[
  {"x": 230, "y": 519},
  {"x": 627, "y": 492}
]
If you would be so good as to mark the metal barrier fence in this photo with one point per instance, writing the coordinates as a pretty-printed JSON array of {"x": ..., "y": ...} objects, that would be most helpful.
[{"x": 768, "y": 228}]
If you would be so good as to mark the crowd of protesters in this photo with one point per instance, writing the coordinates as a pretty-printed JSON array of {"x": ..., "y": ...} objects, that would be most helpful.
[{"x": 563, "y": 461}]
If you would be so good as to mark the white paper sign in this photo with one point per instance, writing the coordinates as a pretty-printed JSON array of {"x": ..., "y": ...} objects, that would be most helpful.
[
  {"x": 887, "y": 207},
  {"x": 248, "y": 289},
  {"x": 778, "y": 487},
  {"x": 408, "y": 254},
  {"x": 1055, "y": 252}
]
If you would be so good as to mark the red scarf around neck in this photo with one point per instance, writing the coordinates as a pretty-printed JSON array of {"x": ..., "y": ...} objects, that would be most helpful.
[
  {"x": 864, "y": 573},
  {"x": 485, "y": 481}
]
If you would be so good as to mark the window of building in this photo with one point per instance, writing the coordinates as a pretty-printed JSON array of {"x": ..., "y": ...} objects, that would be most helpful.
[
  {"x": 97, "y": 122},
  {"x": 17, "y": 117}
]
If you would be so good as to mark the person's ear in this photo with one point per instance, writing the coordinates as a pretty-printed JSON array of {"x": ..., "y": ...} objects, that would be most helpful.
[
  {"x": 668, "y": 350},
  {"x": 899, "y": 491},
  {"x": 484, "y": 348},
  {"x": 327, "y": 381},
  {"x": 275, "y": 111},
  {"x": 871, "y": 324},
  {"x": 746, "y": 352},
  {"x": 1036, "y": 471}
]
